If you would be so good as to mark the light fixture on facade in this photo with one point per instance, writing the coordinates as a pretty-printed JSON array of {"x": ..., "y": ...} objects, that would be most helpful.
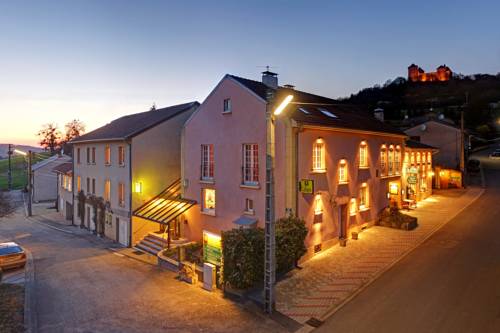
[
  {"x": 138, "y": 187},
  {"x": 430, "y": 173},
  {"x": 283, "y": 105}
]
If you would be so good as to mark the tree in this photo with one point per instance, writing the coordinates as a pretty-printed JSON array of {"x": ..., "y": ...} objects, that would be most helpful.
[
  {"x": 74, "y": 129},
  {"x": 291, "y": 233},
  {"x": 50, "y": 137}
]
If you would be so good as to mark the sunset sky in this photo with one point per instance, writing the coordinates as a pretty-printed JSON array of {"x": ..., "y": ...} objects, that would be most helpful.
[{"x": 98, "y": 60}]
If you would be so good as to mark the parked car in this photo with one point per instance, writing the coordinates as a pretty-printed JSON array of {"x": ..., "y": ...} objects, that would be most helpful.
[
  {"x": 473, "y": 166},
  {"x": 495, "y": 155},
  {"x": 11, "y": 256}
]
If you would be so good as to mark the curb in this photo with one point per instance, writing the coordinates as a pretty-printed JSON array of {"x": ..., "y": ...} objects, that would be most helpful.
[
  {"x": 331, "y": 312},
  {"x": 30, "y": 319},
  {"x": 50, "y": 226}
]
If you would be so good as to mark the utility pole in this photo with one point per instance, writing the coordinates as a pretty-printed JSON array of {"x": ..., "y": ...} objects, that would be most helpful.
[
  {"x": 270, "y": 231},
  {"x": 462, "y": 140},
  {"x": 9, "y": 181},
  {"x": 30, "y": 184}
]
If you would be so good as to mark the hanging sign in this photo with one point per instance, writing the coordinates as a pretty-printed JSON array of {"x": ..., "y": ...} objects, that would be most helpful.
[{"x": 306, "y": 186}]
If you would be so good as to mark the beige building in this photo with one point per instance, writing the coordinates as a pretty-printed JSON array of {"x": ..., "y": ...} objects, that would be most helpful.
[
  {"x": 45, "y": 180},
  {"x": 121, "y": 166},
  {"x": 64, "y": 202}
]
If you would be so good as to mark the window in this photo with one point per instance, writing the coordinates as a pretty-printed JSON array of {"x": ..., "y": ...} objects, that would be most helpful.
[
  {"x": 121, "y": 194},
  {"x": 78, "y": 156},
  {"x": 318, "y": 209},
  {"x": 429, "y": 159},
  {"x": 208, "y": 201},
  {"x": 88, "y": 155},
  {"x": 363, "y": 155},
  {"x": 363, "y": 197},
  {"x": 107, "y": 190},
  {"x": 227, "y": 105},
  {"x": 418, "y": 158},
  {"x": 318, "y": 156},
  {"x": 250, "y": 164},
  {"x": 391, "y": 159},
  {"x": 343, "y": 172},
  {"x": 93, "y": 185},
  {"x": 107, "y": 155},
  {"x": 70, "y": 183},
  {"x": 327, "y": 113},
  {"x": 207, "y": 162},
  {"x": 352, "y": 207},
  {"x": 383, "y": 160},
  {"x": 412, "y": 159},
  {"x": 78, "y": 183},
  {"x": 397, "y": 160},
  {"x": 249, "y": 206},
  {"x": 121, "y": 156},
  {"x": 93, "y": 155},
  {"x": 88, "y": 185},
  {"x": 304, "y": 111}
]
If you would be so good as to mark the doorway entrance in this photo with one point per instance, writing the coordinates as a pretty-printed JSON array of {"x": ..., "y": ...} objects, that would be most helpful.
[{"x": 343, "y": 221}]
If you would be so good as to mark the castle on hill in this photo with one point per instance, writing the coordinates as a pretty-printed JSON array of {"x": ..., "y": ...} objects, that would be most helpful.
[{"x": 417, "y": 74}]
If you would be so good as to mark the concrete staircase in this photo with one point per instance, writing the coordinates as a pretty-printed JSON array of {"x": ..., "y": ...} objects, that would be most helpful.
[{"x": 153, "y": 243}]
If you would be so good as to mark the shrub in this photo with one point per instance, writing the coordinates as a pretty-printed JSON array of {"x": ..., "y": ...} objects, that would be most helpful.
[
  {"x": 243, "y": 257},
  {"x": 290, "y": 235},
  {"x": 393, "y": 218}
]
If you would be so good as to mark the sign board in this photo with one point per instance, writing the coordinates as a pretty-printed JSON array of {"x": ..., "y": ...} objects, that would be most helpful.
[
  {"x": 212, "y": 249},
  {"x": 411, "y": 179},
  {"x": 306, "y": 186},
  {"x": 413, "y": 170}
]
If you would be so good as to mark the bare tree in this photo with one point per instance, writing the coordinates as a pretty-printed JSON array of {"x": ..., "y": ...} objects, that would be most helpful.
[
  {"x": 50, "y": 137},
  {"x": 74, "y": 129}
]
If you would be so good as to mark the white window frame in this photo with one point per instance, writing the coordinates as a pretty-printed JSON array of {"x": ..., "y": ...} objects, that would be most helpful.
[
  {"x": 204, "y": 208},
  {"x": 207, "y": 162},
  {"x": 121, "y": 156},
  {"x": 250, "y": 166},
  {"x": 107, "y": 155},
  {"x": 249, "y": 206},
  {"x": 364, "y": 200},
  {"x": 318, "y": 156},
  {"x": 343, "y": 172},
  {"x": 363, "y": 155},
  {"x": 227, "y": 106},
  {"x": 121, "y": 194}
]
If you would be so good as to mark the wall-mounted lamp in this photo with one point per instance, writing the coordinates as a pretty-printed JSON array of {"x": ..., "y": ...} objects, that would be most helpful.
[{"x": 138, "y": 187}]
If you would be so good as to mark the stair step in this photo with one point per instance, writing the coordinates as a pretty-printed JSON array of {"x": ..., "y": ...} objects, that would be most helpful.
[
  {"x": 146, "y": 249},
  {"x": 151, "y": 244},
  {"x": 157, "y": 241}
]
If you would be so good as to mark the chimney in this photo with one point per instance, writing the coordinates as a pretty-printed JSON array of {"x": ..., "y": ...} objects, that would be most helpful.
[
  {"x": 270, "y": 79},
  {"x": 378, "y": 113}
]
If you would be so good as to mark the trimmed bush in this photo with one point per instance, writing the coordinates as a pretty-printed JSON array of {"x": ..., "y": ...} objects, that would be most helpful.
[
  {"x": 290, "y": 235},
  {"x": 243, "y": 257},
  {"x": 393, "y": 218}
]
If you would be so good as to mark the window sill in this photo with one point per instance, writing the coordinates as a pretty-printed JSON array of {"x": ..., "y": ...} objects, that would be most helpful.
[
  {"x": 246, "y": 212},
  {"x": 318, "y": 171},
  {"x": 343, "y": 183},
  {"x": 107, "y": 164},
  {"x": 207, "y": 181},
  {"x": 227, "y": 112},
  {"x": 364, "y": 209},
  {"x": 251, "y": 187},
  {"x": 363, "y": 167},
  {"x": 209, "y": 213},
  {"x": 121, "y": 165}
]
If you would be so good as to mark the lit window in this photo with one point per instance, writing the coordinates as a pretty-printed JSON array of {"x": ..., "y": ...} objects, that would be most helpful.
[
  {"x": 107, "y": 155},
  {"x": 70, "y": 183},
  {"x": 318, "y": 209},
  {"x": 250, "y": 164},
  {"x": 391, "y": 159},
  {"x": 318, "y": 156},
  {"x": 363, "y": 155},
  {"x": 121, "y": 194},
  {"x": 407, "y": 158},
  {"x": 227, "y": 105},
  {"x": 343, "y": 172},
  {"x": 429, "y": 158},
  {"x": 107, "y": 190},
  {"x": 397, "y": 160},
  {"x": 78, "y": 183},
  {"x": 121, "y": 156},
  {"x": 352, "y": 208},
  {"x": 327, "y": 113},
  {"x": 412, "y": 158},
  {"x": 383, "y": 160},
  {"x": 208, "y": 201},
  {"x": 207, "y": 162},
  {"x": 304, "y": 111},
  {"x": 249, "y": 206},
  {"x": 363, "y": 197}
]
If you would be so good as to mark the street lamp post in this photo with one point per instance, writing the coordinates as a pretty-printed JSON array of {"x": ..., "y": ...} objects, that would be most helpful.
[
  {"x": 269, "y": 230},
  {"x": 29, "y": 185}
]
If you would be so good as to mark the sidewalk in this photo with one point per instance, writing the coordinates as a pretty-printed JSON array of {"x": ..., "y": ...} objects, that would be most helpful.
[{"x": 332, "y": 278}]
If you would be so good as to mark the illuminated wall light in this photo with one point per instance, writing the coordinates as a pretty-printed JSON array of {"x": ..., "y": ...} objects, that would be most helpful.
[
  {"x": 430, "y": 173},
  {"x": 138, "y": 187},
  {"x": 283, "y": 104}
]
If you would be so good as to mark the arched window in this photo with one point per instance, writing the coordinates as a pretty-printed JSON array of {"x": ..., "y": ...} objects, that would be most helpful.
[
  {"x": 363, "y": 197},
  {"x": 318, "y": 156},
  {"x": 397, "y": 160},
  {"x": 391, "y": 159},
  {"x": 383, "y": 160},
  {"x": 342, "y": 171},
  {"x": 363, "y": 155}
]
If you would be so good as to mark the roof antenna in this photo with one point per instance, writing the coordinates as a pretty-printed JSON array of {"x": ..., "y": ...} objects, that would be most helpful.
[{"x": 153, "y": 107}]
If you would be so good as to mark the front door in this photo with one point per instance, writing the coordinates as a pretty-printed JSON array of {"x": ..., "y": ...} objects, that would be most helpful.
[
  {"x": 123, "y": 234},
  {"x": 343, "y": 221}
]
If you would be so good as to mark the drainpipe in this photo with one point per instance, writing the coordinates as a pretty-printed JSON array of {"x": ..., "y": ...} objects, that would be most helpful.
[{"x": 131, "y": 192}]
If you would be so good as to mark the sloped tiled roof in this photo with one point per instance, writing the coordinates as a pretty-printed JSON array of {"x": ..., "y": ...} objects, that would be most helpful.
[
  {"x": 131, "y": 125},
  {"x": 348, "y": 116},
  {"x": 64, "y": 168}
]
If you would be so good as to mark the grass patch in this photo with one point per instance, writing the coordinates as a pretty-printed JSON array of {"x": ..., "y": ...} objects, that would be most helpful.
[
  {"x": 11, "y": 308},
  {"x": 19, "y": 167}
]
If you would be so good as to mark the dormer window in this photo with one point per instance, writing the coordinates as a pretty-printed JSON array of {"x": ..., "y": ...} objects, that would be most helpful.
[{"x": 227, "y": 106}]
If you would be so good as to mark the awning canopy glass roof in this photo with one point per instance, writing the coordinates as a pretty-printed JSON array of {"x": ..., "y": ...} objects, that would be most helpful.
[{"x": 166, "y": 206}]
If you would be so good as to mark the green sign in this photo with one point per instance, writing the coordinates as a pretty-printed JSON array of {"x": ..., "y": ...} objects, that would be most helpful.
[
  {"x": 306, "y": 186},
  {"x": 413, "y": 170},
  {"x": 212, "y": 251},
  {"x": 411, "y": 179}
]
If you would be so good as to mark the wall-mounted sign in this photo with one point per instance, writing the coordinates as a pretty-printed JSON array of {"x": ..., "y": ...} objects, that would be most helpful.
[
  {"x": 413, "y": 170},
  {"x": 212, "y": 249},
  {"x": 411, "y": 179},
  {"x": 393, "y": 188},
  {"x": 306, "y": 186}
]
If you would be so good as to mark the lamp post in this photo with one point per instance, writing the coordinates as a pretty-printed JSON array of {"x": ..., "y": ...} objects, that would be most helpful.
[{"x": 269, "y": 230}]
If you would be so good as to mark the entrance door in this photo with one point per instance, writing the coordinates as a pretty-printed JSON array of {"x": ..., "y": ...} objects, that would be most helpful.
[
  {"x": 343, "y": 221},
  {"x": 69, "y": 211},
  {"x": 123, "y": 231},
  {"x": 88, "y": 217}
]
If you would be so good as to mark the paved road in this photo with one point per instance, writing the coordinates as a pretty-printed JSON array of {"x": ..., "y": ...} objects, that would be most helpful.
[
  {"x": 83, "y": 287},
  {"x": 451, "y": 283}
]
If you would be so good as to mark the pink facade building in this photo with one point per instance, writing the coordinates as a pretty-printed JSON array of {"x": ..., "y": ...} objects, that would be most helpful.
[{"x": 335, "y": 166}]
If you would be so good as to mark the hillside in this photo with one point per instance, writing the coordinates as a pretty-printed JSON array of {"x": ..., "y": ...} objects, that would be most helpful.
[
  {"x": 400, "y": 98},
  {"x": 4, "y": 147},
  {"x": 19, "y": 167}
]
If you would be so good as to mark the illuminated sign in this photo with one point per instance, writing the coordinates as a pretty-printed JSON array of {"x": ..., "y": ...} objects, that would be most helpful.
[
  {"x": 306, "y": 186},
  {"x": 393, "y": 188},
  {"x": 412, "y": 179},
  {"x": 212, "y": 248}
]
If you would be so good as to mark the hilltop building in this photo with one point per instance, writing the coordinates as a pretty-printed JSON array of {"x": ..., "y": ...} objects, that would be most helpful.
[{"x": 416, "y": 74}]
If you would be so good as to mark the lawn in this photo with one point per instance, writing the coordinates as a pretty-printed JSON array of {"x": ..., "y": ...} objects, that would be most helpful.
[
  {"x": 11, "y": 308},
  {"x": 19, "y": 164}
]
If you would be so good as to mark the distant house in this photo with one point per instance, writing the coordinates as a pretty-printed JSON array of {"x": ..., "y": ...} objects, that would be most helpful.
[
  {"x": 121, "y": 166},
  {"x": 64, "y": 202},
  {"x": 45, "y": 180},
  {"x": 418, "y": 171}
]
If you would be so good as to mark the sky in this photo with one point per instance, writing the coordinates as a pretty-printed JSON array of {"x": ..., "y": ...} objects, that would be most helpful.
[{"x": 98, "y": 60}]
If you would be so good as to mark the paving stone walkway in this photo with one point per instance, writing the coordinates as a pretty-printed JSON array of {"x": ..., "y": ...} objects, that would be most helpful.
[{"x": 330, "y": 278}]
